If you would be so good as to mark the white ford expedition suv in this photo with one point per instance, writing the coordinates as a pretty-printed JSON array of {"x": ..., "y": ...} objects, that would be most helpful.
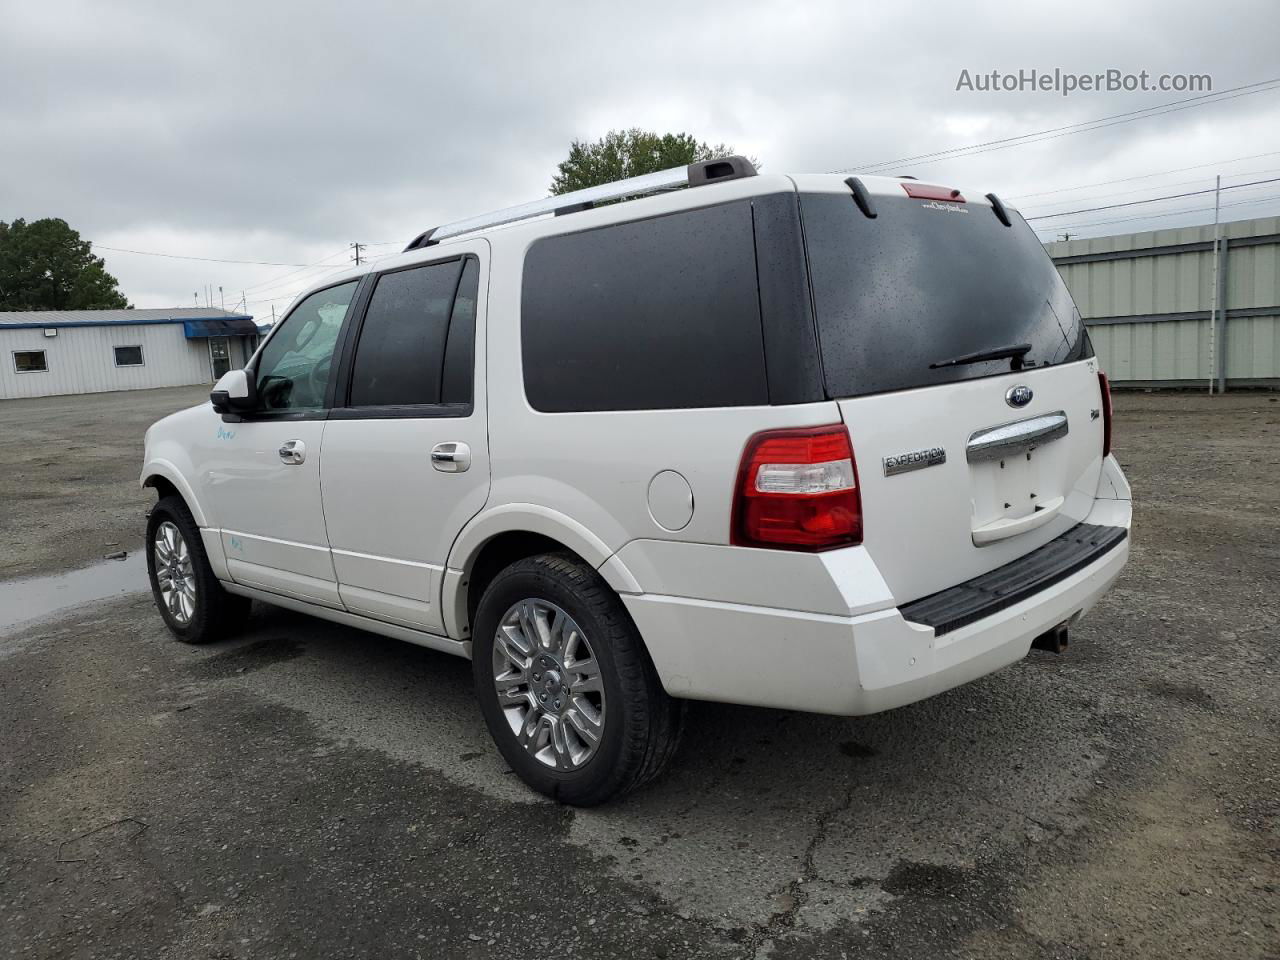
[{"x": 805, "y": 442}]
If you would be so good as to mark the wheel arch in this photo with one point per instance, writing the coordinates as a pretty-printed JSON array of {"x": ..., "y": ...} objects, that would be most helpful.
[
  {"x": 500, "y": 537},
  {"x": 167, "y": 479}
]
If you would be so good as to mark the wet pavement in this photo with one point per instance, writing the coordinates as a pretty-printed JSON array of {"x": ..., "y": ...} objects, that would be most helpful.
[
  {"x": 35, "y": 598},
  {"x": 306, "y": 789}
]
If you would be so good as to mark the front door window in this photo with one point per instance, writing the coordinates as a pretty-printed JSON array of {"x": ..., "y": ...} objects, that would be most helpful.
[{"x": 294, "y": 366}]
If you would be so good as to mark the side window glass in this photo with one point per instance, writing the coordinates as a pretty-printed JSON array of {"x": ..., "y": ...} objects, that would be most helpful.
[
  {"x": 400, "y": 357},
  {"x": 460, "y": 352},
  {"x": 662, "y": 313},
  {"x": 295, "y": 365}
]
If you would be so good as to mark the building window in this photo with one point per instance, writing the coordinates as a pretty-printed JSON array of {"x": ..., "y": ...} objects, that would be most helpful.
[
  {"x": 30, "y": 361},
  {"x": 128, "y": 356}
]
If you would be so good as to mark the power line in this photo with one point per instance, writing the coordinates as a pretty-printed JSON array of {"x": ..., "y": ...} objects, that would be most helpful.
[
  {"x": 271, "y": 281},
  {"x": 179, "y": 256},
  {"x": 283, "y": 296},
  {"x": 1134, "y": 203},
  {"x": 1157, "y": 186},
  {"x": 1103, "y": 126},
  {"x": 308, "y": 283},
  {"x": 1053, "y": 133},
  {"x": 300, "y": 279},
  {"x": 1262, "y": 86},
  {"x": 1151, "y": 216},
  {"x": 1157, "y": 216},
  {"x": 1086, "y": 126},
  {"x": 1145, "y": 176}
]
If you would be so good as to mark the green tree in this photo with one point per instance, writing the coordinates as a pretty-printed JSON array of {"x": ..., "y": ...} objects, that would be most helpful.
[
  {"x": 629, "y": 153},
  {"x": 44, "y": 265}
]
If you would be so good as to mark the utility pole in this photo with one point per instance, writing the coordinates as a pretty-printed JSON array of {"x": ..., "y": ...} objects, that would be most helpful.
[
  {"x": 1065, "y": 236},
  {"x": 357, "y": 247},
  {"x": 222, "y": 297},
  {"x": 1213, "y": 313},
  {"x": 273, "y": 314}
]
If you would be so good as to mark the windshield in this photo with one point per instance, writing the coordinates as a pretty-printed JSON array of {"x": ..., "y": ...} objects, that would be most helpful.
[{"x": 902, "y": 297}]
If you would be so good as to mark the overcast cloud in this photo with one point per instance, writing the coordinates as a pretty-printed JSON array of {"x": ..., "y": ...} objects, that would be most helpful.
[{"x": 281, "y": 131}]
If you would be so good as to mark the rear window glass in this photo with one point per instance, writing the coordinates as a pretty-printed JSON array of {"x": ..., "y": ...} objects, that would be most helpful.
[
  {"x": 926, "y": 282},
  {"x": 653, "y": 314}
]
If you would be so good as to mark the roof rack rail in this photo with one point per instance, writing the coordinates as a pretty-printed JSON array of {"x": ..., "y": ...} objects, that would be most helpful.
[{"x": 693, "y": 175}]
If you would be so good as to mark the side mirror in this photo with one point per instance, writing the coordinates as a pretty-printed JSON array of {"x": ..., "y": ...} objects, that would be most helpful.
[{"x": 233, "y": 393}]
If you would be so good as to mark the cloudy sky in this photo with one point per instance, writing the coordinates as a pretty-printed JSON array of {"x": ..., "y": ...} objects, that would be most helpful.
[{"x": 280, "y": 131}]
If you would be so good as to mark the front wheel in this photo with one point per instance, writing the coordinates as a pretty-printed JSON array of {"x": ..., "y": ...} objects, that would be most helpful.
[
  {"x": 188, "y": 595},
  {"x": 565, "y": 684}
]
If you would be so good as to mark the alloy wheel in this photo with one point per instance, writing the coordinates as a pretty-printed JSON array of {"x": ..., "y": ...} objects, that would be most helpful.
[
  {"x": 549, "y": 684},
  {"x": 175, "y": 575}
]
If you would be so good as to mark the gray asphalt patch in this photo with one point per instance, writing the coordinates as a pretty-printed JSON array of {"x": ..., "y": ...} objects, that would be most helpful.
[{"x": 314, "y": 790}]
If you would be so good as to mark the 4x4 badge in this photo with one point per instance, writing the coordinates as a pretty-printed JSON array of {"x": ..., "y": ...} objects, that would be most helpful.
[{"x": 1018, "y": 396}]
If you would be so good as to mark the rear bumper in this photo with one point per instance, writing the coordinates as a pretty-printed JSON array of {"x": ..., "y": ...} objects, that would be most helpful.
[{"x": 738, "y": 653}]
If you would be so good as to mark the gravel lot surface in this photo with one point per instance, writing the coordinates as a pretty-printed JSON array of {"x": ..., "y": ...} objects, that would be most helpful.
[
  {"x": 69, "y": 475},
  {"x": 309, "y": 790}
]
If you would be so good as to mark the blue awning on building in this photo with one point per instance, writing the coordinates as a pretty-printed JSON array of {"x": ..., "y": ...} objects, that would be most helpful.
[{"x": 232, "y": 327}]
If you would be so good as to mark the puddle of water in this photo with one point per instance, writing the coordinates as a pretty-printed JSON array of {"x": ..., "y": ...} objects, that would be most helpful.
[{"x": 24, "y": 601}]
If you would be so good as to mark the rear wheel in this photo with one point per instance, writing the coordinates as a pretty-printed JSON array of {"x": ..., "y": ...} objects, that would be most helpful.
[
  {"x": 188, "y": 595},
  {"x": 565, "y": 684}
]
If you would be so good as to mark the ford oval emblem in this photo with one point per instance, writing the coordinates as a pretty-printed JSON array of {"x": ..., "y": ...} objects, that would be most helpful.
[{"x": 1018, "y": 396}]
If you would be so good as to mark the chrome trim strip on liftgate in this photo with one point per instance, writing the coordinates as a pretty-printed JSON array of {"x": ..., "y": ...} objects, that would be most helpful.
[{"x": 995, "y": 443}]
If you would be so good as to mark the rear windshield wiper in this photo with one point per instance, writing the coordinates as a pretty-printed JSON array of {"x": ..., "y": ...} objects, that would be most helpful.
[{"x": 1015, "y": 353}]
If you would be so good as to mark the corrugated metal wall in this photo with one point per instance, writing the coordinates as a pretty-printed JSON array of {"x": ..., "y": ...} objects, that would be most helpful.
[
  {"x": 1147, "y": 297},
  {"x": 81, "y": 359}
]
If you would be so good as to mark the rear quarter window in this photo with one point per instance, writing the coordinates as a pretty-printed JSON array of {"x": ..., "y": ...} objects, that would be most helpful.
[{"x": 651, "y": 314}]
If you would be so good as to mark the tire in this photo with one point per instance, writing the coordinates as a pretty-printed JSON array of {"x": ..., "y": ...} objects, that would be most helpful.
[
  {"x": 212, "y": 613},
  {"x": 641, "y": 723}
]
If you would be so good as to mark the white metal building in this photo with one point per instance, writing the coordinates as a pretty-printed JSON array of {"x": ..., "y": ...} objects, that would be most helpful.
[{"x": 49, "y": 352}]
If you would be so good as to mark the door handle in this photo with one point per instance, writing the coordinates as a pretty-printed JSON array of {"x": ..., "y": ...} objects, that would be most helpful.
[
  {"x": 293, "y": 452},
  {"x": 451, "y": 457}
]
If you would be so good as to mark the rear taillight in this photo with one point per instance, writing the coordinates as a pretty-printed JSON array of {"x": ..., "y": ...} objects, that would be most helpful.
[
  {"x": 1105, "y": 385},
  {"x": 798, "y": 489}
]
